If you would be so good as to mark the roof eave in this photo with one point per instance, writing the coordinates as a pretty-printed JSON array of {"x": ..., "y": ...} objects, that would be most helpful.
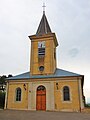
[{"x": 81, "y": 76}]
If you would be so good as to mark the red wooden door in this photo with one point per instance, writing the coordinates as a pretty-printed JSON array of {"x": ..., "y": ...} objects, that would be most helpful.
[{"x": 41, "y": 98}]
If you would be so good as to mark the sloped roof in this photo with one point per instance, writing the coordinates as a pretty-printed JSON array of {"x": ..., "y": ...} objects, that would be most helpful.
[
  {"x": 58, "y": 73},
  {"x": 44, "y": 27}
]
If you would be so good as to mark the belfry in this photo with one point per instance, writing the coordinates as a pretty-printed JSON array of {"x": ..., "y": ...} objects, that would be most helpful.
[{"x": 45, "y": 87}]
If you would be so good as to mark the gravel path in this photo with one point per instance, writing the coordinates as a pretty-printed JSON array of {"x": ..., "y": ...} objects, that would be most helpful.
[{"x": 41, "y": 115}]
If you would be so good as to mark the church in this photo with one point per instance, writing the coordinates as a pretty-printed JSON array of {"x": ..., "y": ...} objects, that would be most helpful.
[{"x": 45, "y": 87}]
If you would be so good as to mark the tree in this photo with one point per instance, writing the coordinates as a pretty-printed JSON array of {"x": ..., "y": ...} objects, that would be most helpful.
[
  {"x": 10, "y": 75},
  {"x": 2, "y": 99},
  {"x": 3, "y": 81},
  {"x": 2, "y": 89}
]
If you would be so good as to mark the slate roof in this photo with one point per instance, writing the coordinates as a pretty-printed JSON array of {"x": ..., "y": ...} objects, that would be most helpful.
[
  {"x": 44, "y": 27},
  {"x": 58, "y": 73}
]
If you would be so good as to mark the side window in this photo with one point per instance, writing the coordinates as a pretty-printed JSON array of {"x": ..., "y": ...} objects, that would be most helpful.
[
  {"x": 18, "y": 94},
  {"x": 66, "y": 93}
]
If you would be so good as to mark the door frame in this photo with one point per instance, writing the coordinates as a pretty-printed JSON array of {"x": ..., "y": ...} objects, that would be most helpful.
[{"x": 41, "y": 98}]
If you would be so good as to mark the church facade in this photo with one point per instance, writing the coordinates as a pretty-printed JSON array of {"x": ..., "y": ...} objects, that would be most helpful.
[{"x": 45, "y": 87}]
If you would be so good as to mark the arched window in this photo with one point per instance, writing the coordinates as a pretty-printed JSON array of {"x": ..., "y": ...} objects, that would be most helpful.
[
  {"x": 66, "y": 93},
  {"x": 18, "y": 94}
]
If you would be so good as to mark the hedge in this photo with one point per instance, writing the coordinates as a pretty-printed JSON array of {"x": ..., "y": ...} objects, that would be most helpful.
[{"x": 2, "y": 99}]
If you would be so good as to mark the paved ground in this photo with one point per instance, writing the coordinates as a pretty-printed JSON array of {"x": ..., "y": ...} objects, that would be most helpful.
[{"x": 39, "y": 115}]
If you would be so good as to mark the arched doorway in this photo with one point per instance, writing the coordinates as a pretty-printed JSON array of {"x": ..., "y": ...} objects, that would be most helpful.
[{"x": 41, "y": 98}]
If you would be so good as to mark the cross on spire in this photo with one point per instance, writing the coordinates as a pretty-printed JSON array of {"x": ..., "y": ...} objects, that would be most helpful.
[{"x": 43, "y": 8}]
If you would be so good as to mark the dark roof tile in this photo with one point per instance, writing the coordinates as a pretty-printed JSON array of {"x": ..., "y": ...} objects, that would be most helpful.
[{"x": 44, "y": 27}]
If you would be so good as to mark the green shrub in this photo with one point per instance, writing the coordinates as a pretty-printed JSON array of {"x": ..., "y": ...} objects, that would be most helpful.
[
  {"x": 2, "y": 99},
  {"x": 87, "y": 105}
]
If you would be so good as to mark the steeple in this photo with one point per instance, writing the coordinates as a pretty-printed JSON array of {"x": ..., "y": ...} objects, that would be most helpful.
[
  {"x": 43, "y": 49},
  {"x": 44, "y": 27}
]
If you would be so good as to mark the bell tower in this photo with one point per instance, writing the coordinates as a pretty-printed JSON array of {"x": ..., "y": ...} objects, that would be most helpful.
[{"x": 43, "y": 49}]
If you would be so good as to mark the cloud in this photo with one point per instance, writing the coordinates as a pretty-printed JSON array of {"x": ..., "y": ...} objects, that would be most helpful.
[{"x": 73, "y": 52}]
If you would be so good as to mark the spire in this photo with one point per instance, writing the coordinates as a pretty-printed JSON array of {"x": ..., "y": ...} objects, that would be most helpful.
[{"x": 44, "y": 27}]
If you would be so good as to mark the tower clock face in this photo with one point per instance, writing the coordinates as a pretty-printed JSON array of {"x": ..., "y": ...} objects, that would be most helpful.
[{"x": 41, "y": 44}]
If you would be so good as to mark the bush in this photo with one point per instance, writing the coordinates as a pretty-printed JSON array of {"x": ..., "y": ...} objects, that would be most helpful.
[
  {"x": 87, "y": 105},
  {"x": 2, "y": 99}
]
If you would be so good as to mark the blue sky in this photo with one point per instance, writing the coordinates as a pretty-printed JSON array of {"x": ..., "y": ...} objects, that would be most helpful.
[{"x": 69, "y": 19}]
